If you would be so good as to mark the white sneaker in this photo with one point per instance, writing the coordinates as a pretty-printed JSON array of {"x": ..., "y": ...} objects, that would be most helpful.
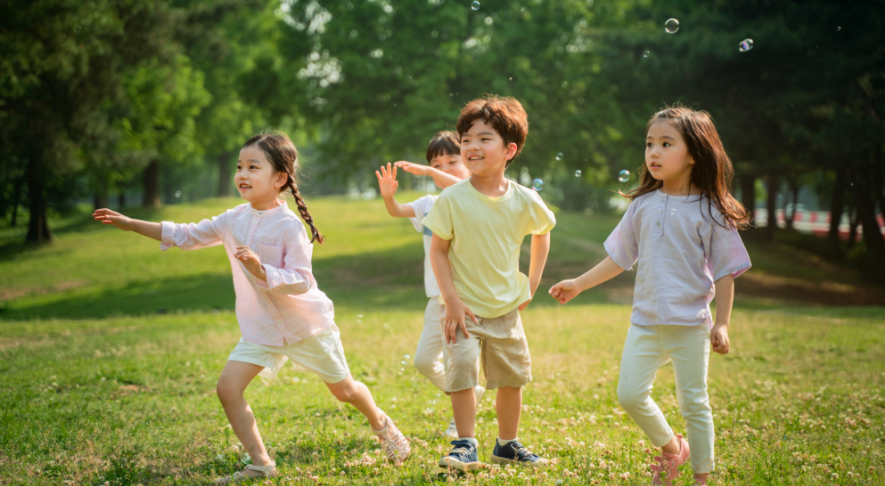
[
  {"x": 479, "y": 391},
  {"x": 451, "y": 431}
]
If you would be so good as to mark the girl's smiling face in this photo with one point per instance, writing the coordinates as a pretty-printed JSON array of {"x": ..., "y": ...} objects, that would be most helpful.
[
  {"x": 666, "y": 153},
  {"x": 450, "y": 164},
  {"x": 256, "y": 179}
]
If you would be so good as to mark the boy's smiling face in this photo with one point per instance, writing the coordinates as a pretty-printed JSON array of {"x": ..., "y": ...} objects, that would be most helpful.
[{"x": 484, "y": 151}]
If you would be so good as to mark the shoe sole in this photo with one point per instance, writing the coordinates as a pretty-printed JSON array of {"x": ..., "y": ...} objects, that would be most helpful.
[
  {"x": 504, "y": 460},
  {"x": 447, "y": 463}
]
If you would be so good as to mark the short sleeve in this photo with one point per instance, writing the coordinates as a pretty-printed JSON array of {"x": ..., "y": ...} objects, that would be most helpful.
[
  {"x": 727, "y": 254},
  {"x": 421, "y": 206},
  {"x": 621, "y": 245},
  {"x": 439, "y": 220},
  {"x": 541, "y": 218}
]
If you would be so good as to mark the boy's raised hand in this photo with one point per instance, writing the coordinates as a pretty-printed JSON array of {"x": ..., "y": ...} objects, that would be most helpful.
[
  {"x": 455, "y": 318},
  {"x": 416, "y": 169},
  {"x": 387, "y": 182},
  {"x": 106, "y": 216},
  {"x": 564, "y": 291}
]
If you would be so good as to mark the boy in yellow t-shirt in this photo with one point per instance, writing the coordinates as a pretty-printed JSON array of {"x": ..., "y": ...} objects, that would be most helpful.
[{"x": 478, "y": 226}]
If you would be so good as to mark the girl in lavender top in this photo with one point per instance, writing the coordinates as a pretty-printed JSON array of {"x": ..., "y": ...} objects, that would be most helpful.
[
  {"x": 282, "y": 313},
  {"x": 681, "y": 228}
]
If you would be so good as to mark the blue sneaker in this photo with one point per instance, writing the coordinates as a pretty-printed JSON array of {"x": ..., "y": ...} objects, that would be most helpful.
[
  {"x": 463, "y": 457},
  {"x": 516, "y": 453}
]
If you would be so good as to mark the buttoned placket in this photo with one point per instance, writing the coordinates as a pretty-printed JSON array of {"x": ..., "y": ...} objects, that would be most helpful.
[
  {"x": 659, "y": 231},
  {"x": 257, "y": 216}
]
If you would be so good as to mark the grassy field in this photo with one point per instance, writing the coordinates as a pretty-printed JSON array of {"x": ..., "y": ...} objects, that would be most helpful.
[{"x": 110, "y": 349}]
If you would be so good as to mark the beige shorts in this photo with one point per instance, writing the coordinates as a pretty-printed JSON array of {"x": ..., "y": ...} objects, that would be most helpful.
[
  {"x": 501, "y": 345},
  {"x": 321, "y": 354}
]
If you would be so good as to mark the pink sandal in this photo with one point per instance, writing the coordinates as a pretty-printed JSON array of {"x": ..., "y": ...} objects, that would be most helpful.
[{"x": 667, "y": 467}]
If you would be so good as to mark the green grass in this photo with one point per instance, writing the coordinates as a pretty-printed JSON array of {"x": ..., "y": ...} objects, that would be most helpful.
[{"x": 96, "y": 385}]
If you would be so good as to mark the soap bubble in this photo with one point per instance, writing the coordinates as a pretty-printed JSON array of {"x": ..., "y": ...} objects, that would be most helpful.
[
  {"x": 839, "y": 28},
  {"x": 359, "y": 318},
  {"x": 671, "y": 26},
  {"x": 559, "y": 156},
  {"x": 77, "y": 29},
  {"x": 624, "y": 176},
  {"x": 538, "y": 184},
  {"x": 577, "y": 173},
  {"x": 177, "y": 194},
  {"x": 746, "y": 45},
  {"x": 474, "y": 6},
  {"x": 646, "y": 53},
  {"x": 404, "y": 362},
  {"x": 406, "y": 356}
]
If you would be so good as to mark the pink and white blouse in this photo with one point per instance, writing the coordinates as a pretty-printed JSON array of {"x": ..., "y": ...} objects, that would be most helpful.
[{"x": 288, "y": 307}]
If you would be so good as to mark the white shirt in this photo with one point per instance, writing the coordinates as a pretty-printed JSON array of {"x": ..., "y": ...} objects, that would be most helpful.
[
  {"x": 422, "y": 207},
  {"x": 681, "y": 253},
  {"x": 288, "y": 307}
]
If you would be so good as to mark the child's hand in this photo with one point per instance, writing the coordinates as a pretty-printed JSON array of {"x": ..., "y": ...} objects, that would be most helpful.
[
  {"x": 106, "y": 216},
  {"x": 525, "y": 304},
  {"x": 251, "y": 261},
  {"x": 387, "y": 182},
  {"x": 455, "y": 319},
  {"x": 719, "y": 338},
  {"x": 416, "y": 169},
  {"x": 564, "y": 291}
]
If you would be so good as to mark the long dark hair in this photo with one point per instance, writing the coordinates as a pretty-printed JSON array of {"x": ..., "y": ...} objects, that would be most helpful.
[
  {"x": 281, "y": 152},
  {"x": 712, "y": 171}
]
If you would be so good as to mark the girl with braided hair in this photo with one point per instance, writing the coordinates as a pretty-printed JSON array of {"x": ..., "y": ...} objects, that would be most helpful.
[{"x": 281, "y": 312}]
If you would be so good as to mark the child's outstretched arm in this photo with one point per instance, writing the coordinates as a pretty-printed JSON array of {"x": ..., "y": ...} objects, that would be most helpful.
[
  {"x": 144, "y": 228},
  {"x": 387, "y": 184},
  {"x": 569, "y": 289},
  {"x": 537, "y": 262},
  {"x": 724, "y": 303},
  {"x": 455, "y": 307},
  {"x": 441, "y": 179}
]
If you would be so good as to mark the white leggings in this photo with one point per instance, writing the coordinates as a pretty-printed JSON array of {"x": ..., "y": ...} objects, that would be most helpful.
[
  {"x": 688, "y": 347},
  {"x": 431, "y": 347}
]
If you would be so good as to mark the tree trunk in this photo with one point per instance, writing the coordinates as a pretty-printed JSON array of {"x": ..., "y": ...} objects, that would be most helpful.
[
  {"x": 872, "y": 233},
  {"x": 100, "y": 198},
  {"x": 748, "y": 195},
  {"x": 38, "y": 226},
  {"x": 122, "y": 197},
  {"x": 853, "y": 222},
  {"x": 771, "y": 227},
  {"x": 224, "y": 174},
  {"x": 16, "y": 198},
  {"x": 152, "y": 185},
  {"x": 877, "y": 167},
  {"x": 837, "y": 207}
]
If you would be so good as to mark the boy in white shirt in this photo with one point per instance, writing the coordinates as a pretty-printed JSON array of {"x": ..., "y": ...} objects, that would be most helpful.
[{"x": 446, "y": 168}]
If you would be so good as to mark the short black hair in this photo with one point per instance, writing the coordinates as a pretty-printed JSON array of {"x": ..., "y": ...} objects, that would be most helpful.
[{"x": 443, "y": 143}]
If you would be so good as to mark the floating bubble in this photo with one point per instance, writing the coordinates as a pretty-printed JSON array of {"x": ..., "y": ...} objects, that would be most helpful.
[
  {"x": 577, "y": 173},
  {"x": 406, "y": 356},
  {"x": 538, "y": 184},
  {"x": 359, "y": 318},
  {"x": 746, "y": 45},
  {"x": 624, "y": 176},
  {"x": 559, "y": 156},
  {"x": 646, "y": 53},
  {"x": 474, "y": 6},
  {"x": 177, "y": 194},
  {"x": 77, "y": 29},
  {"x": 839, "y": 28},
  {"x": 671, "y": 26}
]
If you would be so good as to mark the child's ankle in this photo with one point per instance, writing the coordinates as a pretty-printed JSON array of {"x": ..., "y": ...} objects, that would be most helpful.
[{"x": 472, "y": 440}]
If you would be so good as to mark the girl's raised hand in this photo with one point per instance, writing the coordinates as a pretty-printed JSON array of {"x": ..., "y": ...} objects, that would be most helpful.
[
  {"x": 387, "y": 182},
  {"x": 564, "y": 291},
  {"x": 251, "y": 261},
  {"x": 411, "y": 168},
  {"x": 106, "y": 216}
]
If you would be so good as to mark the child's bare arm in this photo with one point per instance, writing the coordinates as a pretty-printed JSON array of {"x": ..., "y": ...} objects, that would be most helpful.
[
  {"x": 537, "y": 262},
  {"x": 724, "y": 304},
  {"x": 569, "y": 289},
  {"x": 442, "y": 179},
  {"x": 144, "y": 228},
  {"x": 455, "y": 308},
  {"x": 388, "y": 184}
]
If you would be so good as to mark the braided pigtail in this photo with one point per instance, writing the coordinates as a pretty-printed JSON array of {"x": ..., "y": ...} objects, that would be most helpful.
[{"x": 305, "y": 214}]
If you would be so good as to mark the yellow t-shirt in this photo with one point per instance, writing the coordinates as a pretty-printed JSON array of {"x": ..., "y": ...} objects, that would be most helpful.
[{"x": 486, "y": 233}]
